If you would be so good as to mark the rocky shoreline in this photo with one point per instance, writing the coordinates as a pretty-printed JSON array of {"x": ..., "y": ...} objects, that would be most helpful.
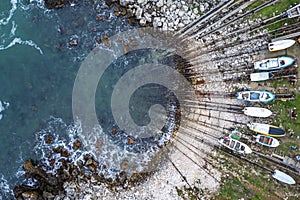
[{"x": 168, "y": 15}]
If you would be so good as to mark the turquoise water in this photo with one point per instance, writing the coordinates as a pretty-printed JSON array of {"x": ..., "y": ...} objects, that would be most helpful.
[{"x": 37, "y": 76}]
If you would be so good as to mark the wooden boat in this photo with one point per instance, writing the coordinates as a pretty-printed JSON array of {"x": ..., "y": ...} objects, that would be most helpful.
[
  {"x": 235, "y": 135},
  {"x": 255, "y": 96},
  {"x": 283, "y": 177},
  {"x": 234, "y": 145},
  {"x": 266, "y": 129},
  {"x": 267, "y": 141},
  {"x": 274, "y": 63},
  {"x": 293, "y": 12},
  {"x": 280, "y": 45},
  {"x": 261, "y": 76},
  {"x": 257, "y": 112}
]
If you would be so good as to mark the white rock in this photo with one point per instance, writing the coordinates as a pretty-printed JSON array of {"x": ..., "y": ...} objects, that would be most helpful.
[
  {"x": 148, "y": 17},
  {"x": 165, "y": 26},
  {"x": 201, "y": 7},
  {"x": 169, "y": 3},
  {"x": 180, "y": 25},
  {"x": 185, "y": 8},
  {"x": 126, "y": 2},
  {"x": 138, "y": 12},
  {"x": 160, "y": 3},
  {"x": 181, "y": 13},
  {"x": 143, "y": 21},
  {"x": 173, "y": 7},
  {"x": 195, "y": 11}
]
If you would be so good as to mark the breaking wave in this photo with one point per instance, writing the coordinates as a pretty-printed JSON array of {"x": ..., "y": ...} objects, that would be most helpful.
[
  {"x": 3, "y": 106},
  {"x": 5, "y": 21},
  {"x": 22, "y": 42}
]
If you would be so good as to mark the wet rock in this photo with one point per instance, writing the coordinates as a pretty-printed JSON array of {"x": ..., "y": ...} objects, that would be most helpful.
[
  {"x": 99, "y": 143},
  {"x": 55, "y": 3},
  {"x": 76, "y": 145},
  {"x": 130, "y": 140},
  {"x": 48, "y": 139},
  {"x": 114, "y": 131},
  {"x": 106, "y": 40},
  {"x": 99, "y": 18},
  {"x": 73, "y": 42}
]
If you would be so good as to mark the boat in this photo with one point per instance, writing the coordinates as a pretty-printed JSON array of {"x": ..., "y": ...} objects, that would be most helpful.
[
  {"x": 261, "y": 76},
  {"x": 293, "y": 12},
  {"x": 280, "y": 45},
  {"x": 257, "y": 112},
  {"x": 283, "y": 177},
  {"x": 255, "y": 96},
  {"x": 266, "y": 129},
  {"x": 267, "y": 141},
  {"x": 234, "y": 145},
  {"x": 236, "y": 135},
  {"x": 274, "y": 63}
]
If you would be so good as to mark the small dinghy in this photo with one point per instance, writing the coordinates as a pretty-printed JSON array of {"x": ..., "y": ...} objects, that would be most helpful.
[
  {"x": 283, "y": 177},
  {"x": 274, "y": 63},
  {"x": 280, "y": 45},
  {"x": 236, "y": 135},
  {"x": 261, "y": 76},
  {"x": 266, "y": 129},
  {"x": 255, "y": 96},
  {"x": 257, "y": 112},
  {"x": 267, "y": 141},
  {"x": 235, "y": 145}
]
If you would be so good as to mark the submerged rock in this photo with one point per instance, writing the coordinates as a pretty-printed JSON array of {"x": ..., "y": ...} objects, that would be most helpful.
[{"x": 55, "y": 3}]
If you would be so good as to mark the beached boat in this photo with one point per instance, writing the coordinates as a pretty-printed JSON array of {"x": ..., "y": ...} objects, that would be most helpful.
[
  {"x": 266, "y": 129},
  {"x": 280, "y": 45},
  {"x": 267, "y": 141},
  {"x": 236, "y": 135},
  {"x": 257, "y": 112},
  {"x": 274, "y": 63},
  {"x": 234, "y": 145},
  {"x": 255, "y": 96},
  {"x": 283, "y": 177},
  {"x": 293, "y": 12},
  {"x": 261, "y": 76}
]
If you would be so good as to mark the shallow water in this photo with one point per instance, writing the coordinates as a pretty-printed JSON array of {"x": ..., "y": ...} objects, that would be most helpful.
[{"x": 38, "y": 67}]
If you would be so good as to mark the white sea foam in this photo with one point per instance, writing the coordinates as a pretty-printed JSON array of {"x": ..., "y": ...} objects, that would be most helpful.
[
  {"x": 5, "y": 190},
  {"x": 3, "y": 106},
  {"x": 5, "y": 21},
  {"x": 20, "y": 41},
  {"x": 13, "y": 29}
]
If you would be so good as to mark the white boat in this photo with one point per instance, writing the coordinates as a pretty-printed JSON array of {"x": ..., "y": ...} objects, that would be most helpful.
[
  {"x": 280, "y": 45},
  {"x": 293, "y": 12},
  {"x": 267, "y": 141},
  {"x": 257, "y": 112},
  {"x": 266, "y": 129},
  {"x": 261, "y": 76},
  {"x": 255, "y": 96},
  {"x": 234, "y": 145},
  {"x": 283, "y": 177},
  {"x": 274, "y": 63}
]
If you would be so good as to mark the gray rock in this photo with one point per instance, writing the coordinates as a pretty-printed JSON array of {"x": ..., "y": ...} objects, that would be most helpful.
[
  {"x": 185, "y": 8},
  {"x": 126, "y": 2},
  {"x": 148, "y": 17}
]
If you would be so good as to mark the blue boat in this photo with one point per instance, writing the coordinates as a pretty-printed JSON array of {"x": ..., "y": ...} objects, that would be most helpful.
[
  {"x": 274, "y": 63},
  {"x": 255, "y": 96}
]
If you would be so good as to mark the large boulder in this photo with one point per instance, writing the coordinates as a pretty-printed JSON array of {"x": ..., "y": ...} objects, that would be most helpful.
[{"x": 55, "y": 3}]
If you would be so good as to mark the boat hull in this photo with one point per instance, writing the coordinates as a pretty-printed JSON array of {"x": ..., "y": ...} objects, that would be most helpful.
[
  {"x": 257, "y": 112},
  {"x": 234, "y": 145},
  {"x": 267, "y": 141},
  {"x": 283, "y": 177},
  {"x": 255, "y": 96},
  {"x": 280, "y": 45},
  {"x": 261, "y": 76},
  {"x": 274, "y": 63},
  {"x": 266, "y": 129}
]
